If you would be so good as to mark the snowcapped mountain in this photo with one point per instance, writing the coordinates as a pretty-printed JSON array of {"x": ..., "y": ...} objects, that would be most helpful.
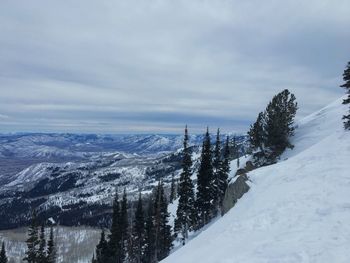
[
  {"x": 297, "y": 210},
  {"x": 80, "y": 191}
]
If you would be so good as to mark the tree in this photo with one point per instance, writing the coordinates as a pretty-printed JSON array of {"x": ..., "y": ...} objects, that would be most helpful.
[
  {"x": 186, "y": 213},
  {"x": 101, "y": 249},
  {"x": 256, "y": 134},
  {"x": 150, "y": 246},
  {"x": 138, "y": 233},
  {"x": 217, "y": 165},
  {"x": 42, "y": 245},
  {"x": 271, "y": 133},
  {"x": 346, "y": 85},
  {"x": 3, "y": 257},
  {"x": 172, "y": 196},
  {"x": 32, "y": 241},
  {"x": 123, "y": 224},
  {"x": 115, "y": 235},
  {"x": 224, "y": 172},
  {"x": 163, "y": 238},
  {"x": 51, "y": 250},
  {"x": 204, "y": 179}
]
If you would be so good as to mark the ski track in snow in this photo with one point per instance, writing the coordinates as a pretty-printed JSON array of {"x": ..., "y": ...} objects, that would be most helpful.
[{"x": 297, "y": 210}]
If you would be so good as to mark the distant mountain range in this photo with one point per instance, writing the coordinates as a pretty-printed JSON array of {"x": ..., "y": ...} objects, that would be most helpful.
[{"x": 72, "y": 178}]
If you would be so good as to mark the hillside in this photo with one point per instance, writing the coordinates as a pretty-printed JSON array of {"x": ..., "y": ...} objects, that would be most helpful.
[{"x": 297, "y": 210}]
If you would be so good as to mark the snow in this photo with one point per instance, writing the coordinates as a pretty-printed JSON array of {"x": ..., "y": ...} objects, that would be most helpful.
[{"x": 297, "y": 210}]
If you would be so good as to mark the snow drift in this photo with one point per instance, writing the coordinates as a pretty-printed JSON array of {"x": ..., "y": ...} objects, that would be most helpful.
[{"x": 297, "y": 210}]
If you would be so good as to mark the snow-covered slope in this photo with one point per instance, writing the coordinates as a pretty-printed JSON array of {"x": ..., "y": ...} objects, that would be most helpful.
[{"x": 296, "y": 211}]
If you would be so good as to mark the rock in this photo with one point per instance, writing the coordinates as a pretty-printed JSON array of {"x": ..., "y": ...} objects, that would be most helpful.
[
  {"x": 234, "y": 192},
  {"x": 249, "y": 166}
]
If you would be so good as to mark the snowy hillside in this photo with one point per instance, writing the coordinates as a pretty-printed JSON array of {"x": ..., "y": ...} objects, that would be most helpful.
[{"x": 297, "y": 210}]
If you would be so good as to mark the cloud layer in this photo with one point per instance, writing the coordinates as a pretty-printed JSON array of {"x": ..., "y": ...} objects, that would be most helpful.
[{"x": 152, "y": 66}]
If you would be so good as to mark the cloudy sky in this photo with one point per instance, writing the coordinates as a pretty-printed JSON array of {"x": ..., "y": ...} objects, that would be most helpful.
[{"x": 153, "y": 66}]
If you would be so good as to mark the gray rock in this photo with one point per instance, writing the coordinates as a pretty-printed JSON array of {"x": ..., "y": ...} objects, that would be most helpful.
[{"x": 234, "y": 192}]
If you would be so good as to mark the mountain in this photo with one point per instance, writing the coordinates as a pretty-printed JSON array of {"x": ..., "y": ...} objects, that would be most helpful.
[
  {"x": 297, "y": 210},
  {"x": 79, "y": 190}
]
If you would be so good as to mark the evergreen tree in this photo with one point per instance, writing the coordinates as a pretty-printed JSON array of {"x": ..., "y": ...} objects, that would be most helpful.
[
  {"x": 123, "y": 227},
  {"x": 102, "y": 249},
  {"x": 163, "y": 238},
  {"x": 150, "y": 246},
  {"x": 138, "y": 233},
  {"x": 204, "y": 179},
  {"x": 32, "y": 241},
  {"x": 172, "y": 196},
  {"x": 186, "y": 213},
  {"x": 3, "y": 257},
  {"x": 224, "y": 172},
  {"x": 346, "y": 85},
  {"x": 115, "y": 235},
  {"x": 51, "y": 250},
  {"x": 280, "y": 119},
  {"x": 42, "y": 245},
  {"x": 257, "y": 134},
  {"x": 217, "y": 165},
  {"x": 273, "y": 128}
]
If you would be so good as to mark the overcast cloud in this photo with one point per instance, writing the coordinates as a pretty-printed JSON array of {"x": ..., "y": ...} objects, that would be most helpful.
[{"x": 153, "y": 66}]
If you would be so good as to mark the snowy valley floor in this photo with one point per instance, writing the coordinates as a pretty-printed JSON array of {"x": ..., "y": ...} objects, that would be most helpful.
[{"x": 296, "y": 211}]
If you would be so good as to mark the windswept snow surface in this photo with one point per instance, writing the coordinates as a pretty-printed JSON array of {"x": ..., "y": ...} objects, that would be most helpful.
[{"x": 296, "y": 211}]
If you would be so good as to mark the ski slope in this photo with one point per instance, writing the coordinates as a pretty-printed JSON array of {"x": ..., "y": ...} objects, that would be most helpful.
[{"x": 297, "y": 210}]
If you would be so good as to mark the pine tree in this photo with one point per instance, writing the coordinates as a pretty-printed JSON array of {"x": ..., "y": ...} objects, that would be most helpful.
[
  {"x": 138, "y": 233},
  {"x": 32, "y": 241},
  {"x": 273, "y": 128},
  {"x": 346, "y": 85},
  {"x": 3, "y": 257},
  {"x": 115, "y": 235},
  {"x": 257, "y": 134},
  {"x": 279, "y": 126},
  {"x": 204, "y": 179},
  {"x": 224, "y": 171},
  {"x": 42, "y": 245},
  {"x": 51, "y": 250},
  {"x": 163, "y": 238},
  {"x": 172, "y": 196},
  {"x": 217, "y": 164},
  {"x": 150, "y": 246},
  {"x": 123, "y": 223},
  {"x": 186, "y": 216},
  {"x": 101, "y": 249}
]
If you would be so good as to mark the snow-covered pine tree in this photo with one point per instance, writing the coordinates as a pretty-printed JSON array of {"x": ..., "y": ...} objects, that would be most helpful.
[
  {"x": 204, "y": 179},
  {"x": 32, "y": 241},
  {"x": 3, "y": 257},
  {"x": 217, "y": 165},
  {"x": 346, "y": 85},
  {"x": 138, "y": 233},
  {"x": 51, "y": 250},
  {"x": 186, "y": 215},
  {"x": 42, "y": 246}
]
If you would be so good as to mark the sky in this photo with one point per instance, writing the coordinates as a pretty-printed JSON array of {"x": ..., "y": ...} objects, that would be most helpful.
[{"x": 153, "y": 66}]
